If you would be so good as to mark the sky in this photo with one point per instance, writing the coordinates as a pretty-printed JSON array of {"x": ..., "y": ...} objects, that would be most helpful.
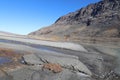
[{"x": 25, "y": 16}]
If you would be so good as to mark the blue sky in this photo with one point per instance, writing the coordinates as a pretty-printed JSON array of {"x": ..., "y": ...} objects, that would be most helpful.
[{"x": 25, "y": 16}]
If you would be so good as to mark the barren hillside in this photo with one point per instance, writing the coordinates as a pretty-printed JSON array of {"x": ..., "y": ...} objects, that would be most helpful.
[{"x": 98, "y": 20}]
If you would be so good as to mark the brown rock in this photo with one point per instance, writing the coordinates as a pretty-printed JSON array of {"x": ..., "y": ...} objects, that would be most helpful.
[{"x": 56, "y": 68}]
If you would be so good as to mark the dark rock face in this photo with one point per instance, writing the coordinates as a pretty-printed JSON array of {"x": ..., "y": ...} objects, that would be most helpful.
[
  {"x": 104, "y": 9},
  {"x": 101, "y": 19}
]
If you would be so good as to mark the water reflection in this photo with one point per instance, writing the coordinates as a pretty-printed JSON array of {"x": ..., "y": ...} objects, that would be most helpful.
[{"x": 4, "y": 60}]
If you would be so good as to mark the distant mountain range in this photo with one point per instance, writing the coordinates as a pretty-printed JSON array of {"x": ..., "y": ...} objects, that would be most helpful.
[{"x": 98, "y": 20}]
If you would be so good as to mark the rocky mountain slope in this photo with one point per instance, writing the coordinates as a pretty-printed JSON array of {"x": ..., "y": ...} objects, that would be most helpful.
[{"x": 100, "y": 19}]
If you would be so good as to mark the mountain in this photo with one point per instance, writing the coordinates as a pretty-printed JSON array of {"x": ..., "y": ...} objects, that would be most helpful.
[{"x": 98, "y": 20}]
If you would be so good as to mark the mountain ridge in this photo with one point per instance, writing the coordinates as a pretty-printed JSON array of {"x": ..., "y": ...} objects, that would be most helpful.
[{"x": 100, "y": 19}]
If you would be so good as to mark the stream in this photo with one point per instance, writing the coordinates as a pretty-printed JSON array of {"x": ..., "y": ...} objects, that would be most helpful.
[{"x": 4, "y": 60}]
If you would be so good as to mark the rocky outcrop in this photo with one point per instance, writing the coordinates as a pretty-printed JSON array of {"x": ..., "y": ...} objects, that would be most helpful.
[
  {"x": 33, "y": 74},
  {"x": 66, "y": 61},
  {"x": 5, "y": 76},
  {"x": 106, "y": 10},
  {"x": 101, "y": 19}
]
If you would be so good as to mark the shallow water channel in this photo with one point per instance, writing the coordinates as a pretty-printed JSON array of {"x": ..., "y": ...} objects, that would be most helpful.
[{"x": 4, "y": 60}]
